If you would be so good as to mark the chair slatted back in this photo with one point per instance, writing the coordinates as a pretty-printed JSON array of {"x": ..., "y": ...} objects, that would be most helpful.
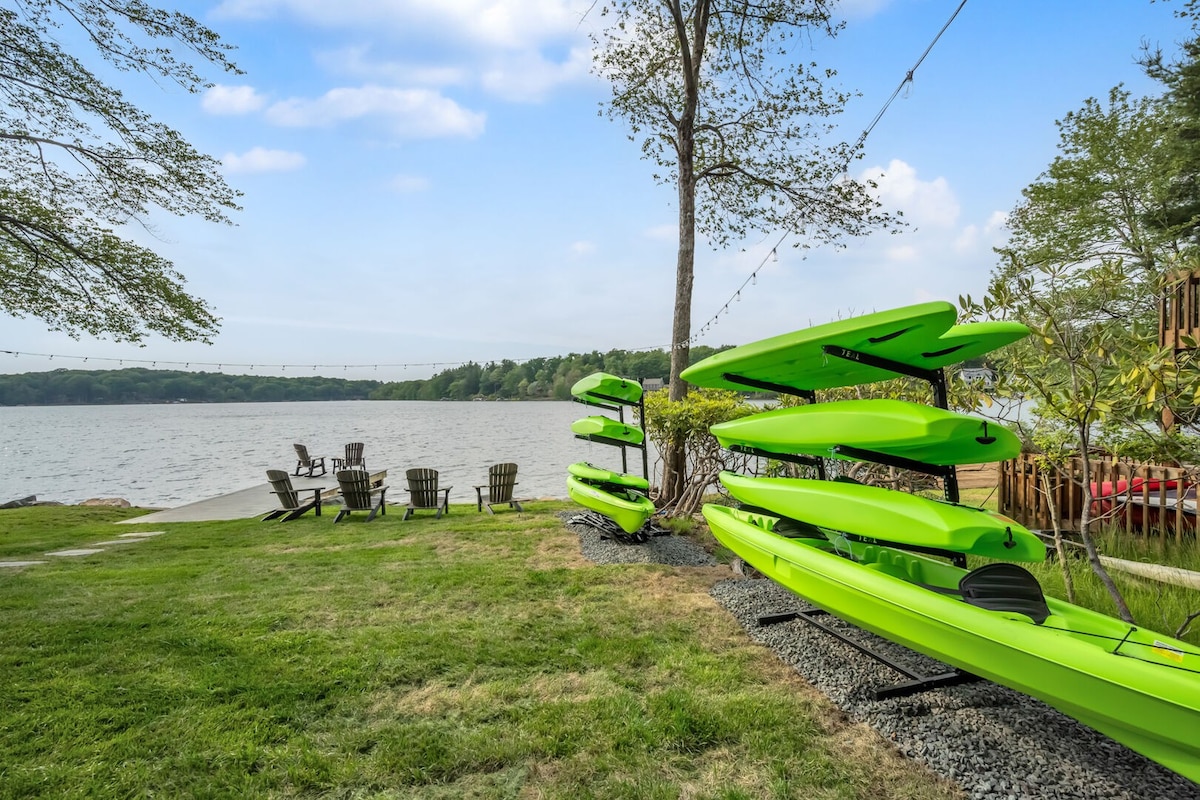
[
  {"x": 281, "y": 485},
  {"x": 355, "y": 485},
  {"x": 302, "y": 454},
  {"x": 354, "y": 455},
  {"x": 423, "y": 487},
  {"x": 501, "y": 480}
]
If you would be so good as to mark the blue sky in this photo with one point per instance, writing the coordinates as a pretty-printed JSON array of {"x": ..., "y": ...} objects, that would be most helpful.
[{"x": 428, "y": 182}]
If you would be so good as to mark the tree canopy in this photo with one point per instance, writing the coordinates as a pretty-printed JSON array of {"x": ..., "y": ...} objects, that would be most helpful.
[{"x": 80, "y": 162}]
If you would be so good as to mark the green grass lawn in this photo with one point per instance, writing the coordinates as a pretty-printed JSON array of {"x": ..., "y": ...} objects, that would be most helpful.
[{"x": 471, "y": 656}]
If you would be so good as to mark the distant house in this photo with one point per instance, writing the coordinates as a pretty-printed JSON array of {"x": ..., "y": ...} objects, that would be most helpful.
[
  {"x": 652, "y": 384},
  {"x": 985, "y": 374}
]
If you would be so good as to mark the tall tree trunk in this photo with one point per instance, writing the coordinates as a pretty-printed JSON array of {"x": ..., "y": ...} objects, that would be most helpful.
[{"x": 675, "y": 459}]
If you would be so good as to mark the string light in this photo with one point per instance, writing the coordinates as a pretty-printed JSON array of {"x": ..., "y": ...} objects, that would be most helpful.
[{"x": 221, "y": 365}]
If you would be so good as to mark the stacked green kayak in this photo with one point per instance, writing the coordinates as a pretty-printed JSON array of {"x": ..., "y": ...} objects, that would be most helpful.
[
  {"x": 619, "y": 498},
  {"x": 1135, "y": 686},
  {"x": 874, "y": 556},
  {"x": 602, "y": 387}
]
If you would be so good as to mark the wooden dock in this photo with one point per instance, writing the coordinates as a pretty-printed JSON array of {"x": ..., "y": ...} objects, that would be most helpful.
[{"x": 246, "y": 503}]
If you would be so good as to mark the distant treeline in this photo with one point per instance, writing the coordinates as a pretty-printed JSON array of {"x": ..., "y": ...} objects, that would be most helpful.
[{"x": 535, "y": 379}]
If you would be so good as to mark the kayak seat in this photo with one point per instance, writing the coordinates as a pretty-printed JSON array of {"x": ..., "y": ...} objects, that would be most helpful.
[
  {"x": 1005, "y": 587},
  {"x": 787, "y": 527},
  {"x": 797, "y": 529}
]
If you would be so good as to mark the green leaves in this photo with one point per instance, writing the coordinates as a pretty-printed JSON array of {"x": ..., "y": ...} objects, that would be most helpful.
[
  {"x": 1084, "y": 269},
  {"x": 721, "y": 114},
  {"x": 79, "y": 162}
]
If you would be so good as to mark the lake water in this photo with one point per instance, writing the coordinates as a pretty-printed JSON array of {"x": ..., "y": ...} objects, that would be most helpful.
[{"x": 162, "y": 456}]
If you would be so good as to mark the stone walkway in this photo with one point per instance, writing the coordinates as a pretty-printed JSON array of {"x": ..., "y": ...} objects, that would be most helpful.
[{"x": 96, "y": 547}]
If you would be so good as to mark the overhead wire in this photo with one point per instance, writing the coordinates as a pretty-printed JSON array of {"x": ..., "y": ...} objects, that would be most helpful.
[{"x": 220, "y": 365}]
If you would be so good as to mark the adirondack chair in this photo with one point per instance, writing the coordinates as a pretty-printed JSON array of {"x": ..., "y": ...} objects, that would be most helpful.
[
  {"x": 303, "y": 461},
  {"x": 501, "y": 480},
  {"x": 352, "y": 458},
  {"x": 423, "y": 492},
  {"x": 359, "y": 495},
  {"x": 290, "y": 504}
]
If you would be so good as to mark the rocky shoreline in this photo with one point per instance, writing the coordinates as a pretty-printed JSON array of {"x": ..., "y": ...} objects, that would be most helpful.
[{"x": 31, "y": 500}]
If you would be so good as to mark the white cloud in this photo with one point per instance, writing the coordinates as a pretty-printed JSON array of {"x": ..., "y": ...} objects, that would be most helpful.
[
  {"x": 229, "y": 100},
  {"x": 583, "y": 248},
  {"x": 923, "y": 202},
  {"x": 529, "y": 76},
  {"x": 904, "y": 254},
  {"x": 414, "y": 113},
  {"x": 507, "y": 24},
  {"x": 968, "y": 239},
  {"x": 992, "y": 233},
  {"x": 358, "y": 62},
  {"x": 260, "y": 159},
  {"x": 410, "y": 183},
  {"x": 997, "y": 223},
  {"x": 517, "y": 50}
]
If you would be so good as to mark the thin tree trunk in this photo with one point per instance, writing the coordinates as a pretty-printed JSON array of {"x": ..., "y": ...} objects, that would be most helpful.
[
  {"x": 1085, "y": 522},
  {"x": 1059, "y": 547}
]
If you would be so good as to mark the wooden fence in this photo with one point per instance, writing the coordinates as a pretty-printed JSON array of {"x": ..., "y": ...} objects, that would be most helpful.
[
  {"x": 1179, "y": 312},
  {"x": 1147, "y": 499}
]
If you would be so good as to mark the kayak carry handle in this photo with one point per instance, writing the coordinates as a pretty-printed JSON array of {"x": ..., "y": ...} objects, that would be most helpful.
[{"x": 985, "y": 439}]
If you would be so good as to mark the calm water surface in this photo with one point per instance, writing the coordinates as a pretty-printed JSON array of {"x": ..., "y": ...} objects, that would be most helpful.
[{"x": 162, "y": 456}]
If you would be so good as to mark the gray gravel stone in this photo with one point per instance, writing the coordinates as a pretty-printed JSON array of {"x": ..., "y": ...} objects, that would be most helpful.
[
  {"x": 674, "y": 550},
  {"x": 996, "y": 743}
]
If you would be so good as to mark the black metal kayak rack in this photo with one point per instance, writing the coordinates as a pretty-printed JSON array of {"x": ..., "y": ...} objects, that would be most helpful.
[
  {"x": 594, "y": 519},
  {"x": 617, "y": 404},
  {"x": 917, "y": 682}
]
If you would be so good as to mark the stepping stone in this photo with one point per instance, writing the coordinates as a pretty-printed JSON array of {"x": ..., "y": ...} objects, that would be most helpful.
[
  {"x": 20, "y": 563},
  {"x": 140, "y": 534},
  {"x": 82, "y": 551},
  {"x": 116, "y": 541}
]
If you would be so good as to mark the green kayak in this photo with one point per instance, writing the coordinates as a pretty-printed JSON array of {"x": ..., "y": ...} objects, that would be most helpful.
[
  {"x": 1135, "y": 686},
  {"x": 607, "y": 388},
  {"x": 627, "y": 508},
  {"x": 889, "y": 515},
  {"x": 608, "y": 428},
  {"x": 893, "y": 427},
  {"x": 590, "y": 473},
  {"x": 922, "y": 336}
]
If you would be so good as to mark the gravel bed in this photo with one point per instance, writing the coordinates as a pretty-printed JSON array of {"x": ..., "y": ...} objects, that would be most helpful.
[
  {"x": 995, "y": 743},
  {"x": 674, "y": 550}
]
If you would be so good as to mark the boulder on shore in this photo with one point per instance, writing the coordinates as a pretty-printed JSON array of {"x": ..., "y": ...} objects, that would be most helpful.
[
  {"x": 112, "y": 502},
  {"x": 20, "y": 502}
]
